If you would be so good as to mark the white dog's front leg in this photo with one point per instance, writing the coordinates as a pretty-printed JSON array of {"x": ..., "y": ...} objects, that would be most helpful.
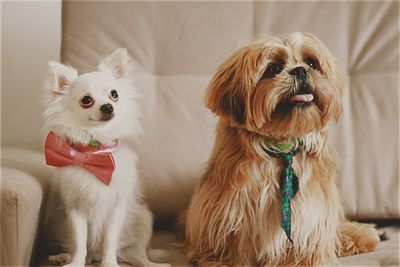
[
  {"x": 78, "y": 228},
  {"x": 112, "y": 231}
]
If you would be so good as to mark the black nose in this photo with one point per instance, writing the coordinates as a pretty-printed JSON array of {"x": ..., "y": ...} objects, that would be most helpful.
[
  {"x": 107, "y": 109},
  {"x": 300, "y": 72}
]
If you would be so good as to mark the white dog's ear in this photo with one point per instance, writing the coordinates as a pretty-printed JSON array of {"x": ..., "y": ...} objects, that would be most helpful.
[
  {"x": 116, "y": 63},
  {"x": 60, "y": 77}
]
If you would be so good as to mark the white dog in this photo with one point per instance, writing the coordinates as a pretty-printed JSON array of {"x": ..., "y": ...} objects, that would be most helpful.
[{"x": 93, "y": 118}]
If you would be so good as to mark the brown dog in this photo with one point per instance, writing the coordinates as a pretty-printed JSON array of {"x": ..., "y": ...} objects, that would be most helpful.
[{"x": 254, "y": 206}]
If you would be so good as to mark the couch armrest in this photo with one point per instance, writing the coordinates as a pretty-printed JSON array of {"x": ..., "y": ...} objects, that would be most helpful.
[{"x": 22, "y": 198}]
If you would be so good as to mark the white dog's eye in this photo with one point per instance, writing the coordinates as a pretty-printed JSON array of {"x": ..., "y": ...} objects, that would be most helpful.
[
  {"x": 86, "y": 101},
  {"x": 114, "y": 95}
]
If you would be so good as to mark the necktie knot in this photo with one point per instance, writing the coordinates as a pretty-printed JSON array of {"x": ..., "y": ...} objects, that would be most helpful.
[{"x": 287, "y": 159}]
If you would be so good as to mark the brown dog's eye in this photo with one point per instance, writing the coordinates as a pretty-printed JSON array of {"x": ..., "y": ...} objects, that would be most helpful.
[
  {"x": 87, "y": 101},
  {"x": 276, "y": 68},
  {"x": 312, "y": 62},
  {"x": 114, "y": 95},
  {"x": 272, "y": 70}
]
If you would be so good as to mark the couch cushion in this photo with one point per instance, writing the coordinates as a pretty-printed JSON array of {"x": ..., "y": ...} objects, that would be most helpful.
[
  {"x": 24, "y": 182},
  {"x": 177, "y": 46},
  {"x": 177, "y": 139},
  {"x": 386, "y": 254},
  {"x": 21, "y": 208}
]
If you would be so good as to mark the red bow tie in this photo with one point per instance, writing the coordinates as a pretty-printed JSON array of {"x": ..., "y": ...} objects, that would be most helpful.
[{"x": 98, "y": 161}]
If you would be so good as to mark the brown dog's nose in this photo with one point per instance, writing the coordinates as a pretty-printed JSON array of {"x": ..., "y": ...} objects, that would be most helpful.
[
  {"x": 300, "y": 72},
  {"x": 107, "y": 109}
]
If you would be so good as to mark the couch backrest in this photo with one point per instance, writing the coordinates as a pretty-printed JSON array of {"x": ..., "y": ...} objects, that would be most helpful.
[{"x": 177, "y": 47}]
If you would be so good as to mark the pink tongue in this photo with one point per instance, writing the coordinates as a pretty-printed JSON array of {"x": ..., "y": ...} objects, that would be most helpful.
[{"x": 302, "y": 98}]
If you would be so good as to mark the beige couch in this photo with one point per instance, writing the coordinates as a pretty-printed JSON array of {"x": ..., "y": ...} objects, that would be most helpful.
[{"x": 176, "y": 47}]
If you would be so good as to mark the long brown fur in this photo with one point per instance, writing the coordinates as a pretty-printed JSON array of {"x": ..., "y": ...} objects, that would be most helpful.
[{"x": 234, "y": 215}]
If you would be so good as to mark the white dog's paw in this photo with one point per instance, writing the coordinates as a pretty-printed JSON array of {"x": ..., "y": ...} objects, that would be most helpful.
[
  {"x": 73, "y": 264},
  {"x": 109, "y": 264},
  {"x": 161, "y": 265},
  {"x": 60, "y": 259}
]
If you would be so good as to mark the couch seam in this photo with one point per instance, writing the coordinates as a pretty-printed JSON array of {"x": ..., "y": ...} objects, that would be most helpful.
[{"x": 17, "y": 224}]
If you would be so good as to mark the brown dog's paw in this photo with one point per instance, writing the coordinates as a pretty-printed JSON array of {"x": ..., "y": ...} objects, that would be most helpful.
[
  {"x": 202, "y": 261},
  {"x": 60, "y": 259},
  {"x": 216, "y": 264},
  {"x": 357, "y": 238}
]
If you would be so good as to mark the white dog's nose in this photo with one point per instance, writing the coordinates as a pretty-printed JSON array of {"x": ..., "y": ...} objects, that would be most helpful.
[{"x": 107, "y": 109}]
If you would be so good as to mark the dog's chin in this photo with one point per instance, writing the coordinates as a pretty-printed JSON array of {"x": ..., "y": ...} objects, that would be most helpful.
[
  {"x": 286, "y": 108},
  {"x": 102, "y": 119},
  {"x": 294, "y": 118}
]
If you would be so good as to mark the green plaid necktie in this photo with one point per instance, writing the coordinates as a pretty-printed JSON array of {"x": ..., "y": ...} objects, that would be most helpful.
[
  {"x": 289, "y": 188},
  {"x": 289, "y": 183}
]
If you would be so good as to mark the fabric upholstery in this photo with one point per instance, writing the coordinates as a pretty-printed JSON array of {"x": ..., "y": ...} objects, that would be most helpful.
[
  {"x": 178, "y": 45},
  {"x": 21, "y": 202},
  {"x": 24, "y": 186},
  {"x": 386, "y": 253}
]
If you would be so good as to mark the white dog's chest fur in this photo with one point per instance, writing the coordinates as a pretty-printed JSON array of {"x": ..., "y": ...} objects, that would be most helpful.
[{"x": 83, "y": 191}]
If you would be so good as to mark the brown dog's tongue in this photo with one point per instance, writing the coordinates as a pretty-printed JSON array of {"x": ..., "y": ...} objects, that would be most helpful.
[{"x": 302, "y": 98}]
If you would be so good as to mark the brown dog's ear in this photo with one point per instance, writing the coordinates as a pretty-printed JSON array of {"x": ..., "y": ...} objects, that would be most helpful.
[
  {"x": 233, "y": 104},
  {"x": 229, "y": 90}
]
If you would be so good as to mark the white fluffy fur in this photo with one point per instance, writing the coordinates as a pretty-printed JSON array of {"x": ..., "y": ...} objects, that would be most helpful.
[{"x": 105, "y": 222}]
